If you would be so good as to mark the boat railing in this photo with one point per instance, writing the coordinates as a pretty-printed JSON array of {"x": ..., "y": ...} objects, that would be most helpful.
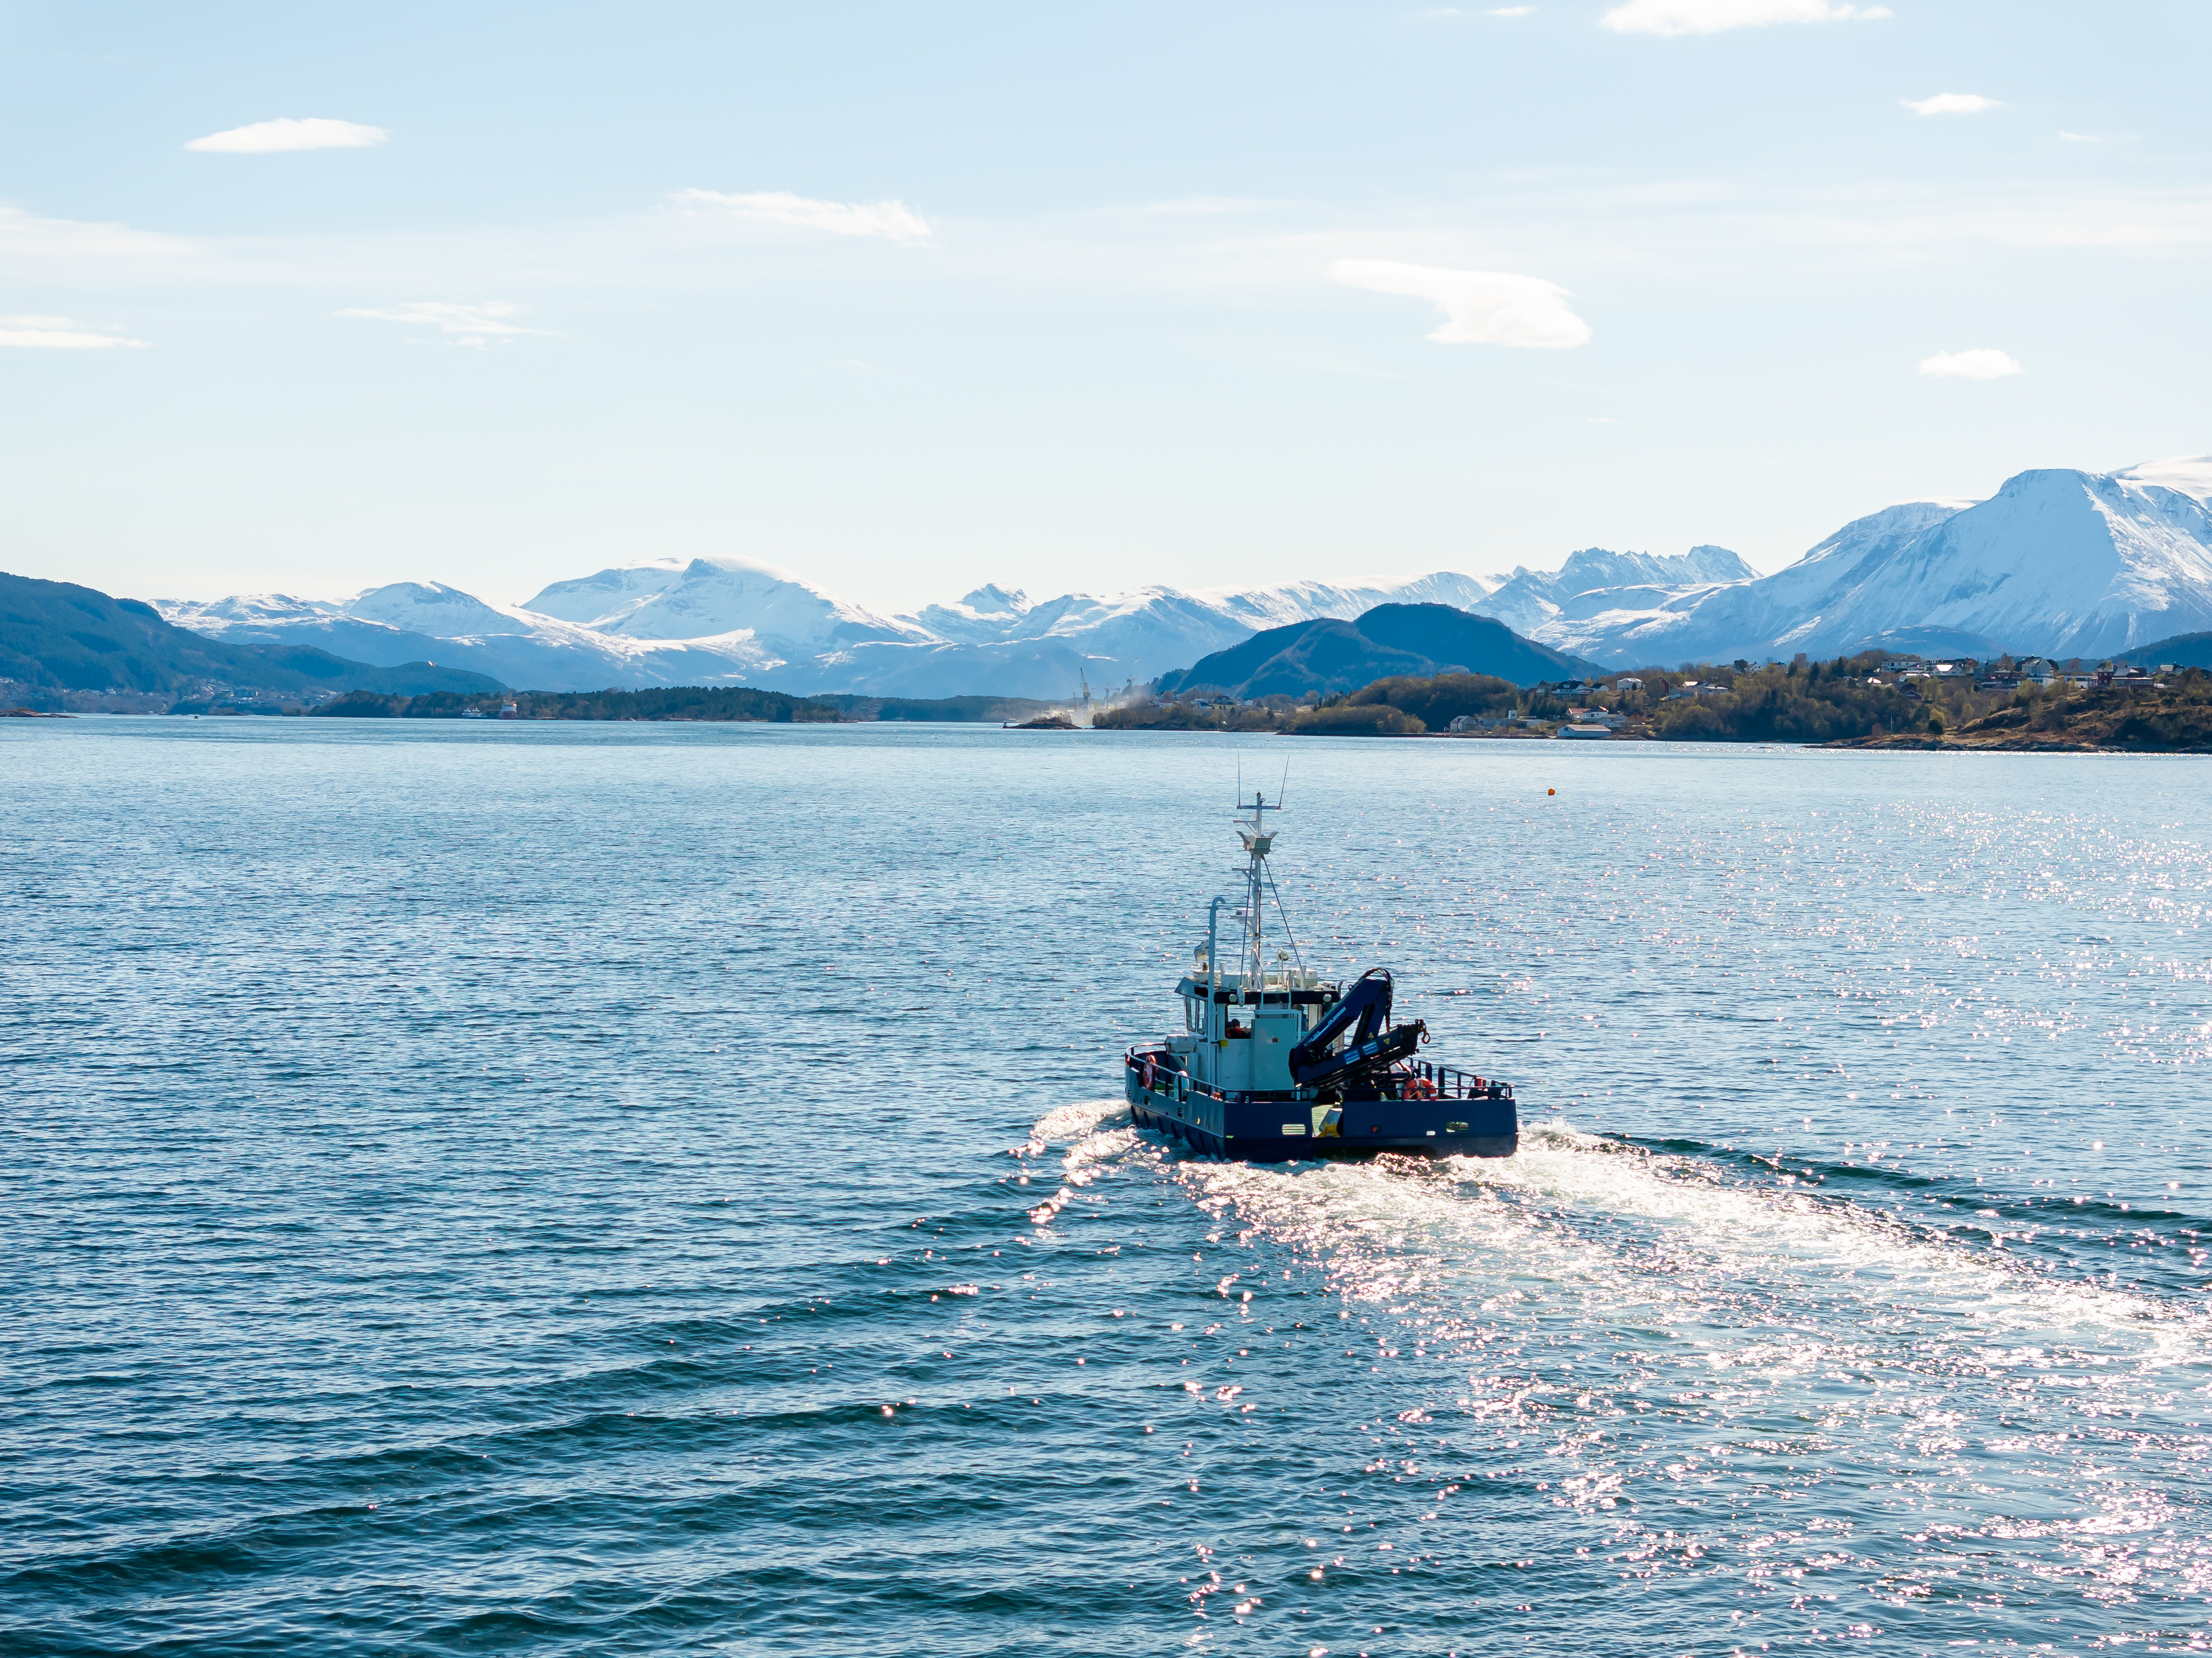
[
  {"x": 1445, "y": 1082},
  {"x": 1418, "y": 1080}
]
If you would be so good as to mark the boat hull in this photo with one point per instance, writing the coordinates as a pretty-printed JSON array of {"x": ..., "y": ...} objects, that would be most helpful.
[{"x": 1251, "y": 1131}]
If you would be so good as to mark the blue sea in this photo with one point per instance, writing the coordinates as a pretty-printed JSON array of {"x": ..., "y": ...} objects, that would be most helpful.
[{"x": 612, "y": 1189}]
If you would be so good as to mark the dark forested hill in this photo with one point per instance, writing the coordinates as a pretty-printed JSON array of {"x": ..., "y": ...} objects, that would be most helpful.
[
  {"x": 1390, "y": 640},
  {"x": 56, "y": 635},
  {"x": 2183, "y": 650}
]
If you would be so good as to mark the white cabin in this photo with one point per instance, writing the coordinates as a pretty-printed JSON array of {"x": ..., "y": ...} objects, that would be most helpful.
[{"x": 1240, "y": 1040}]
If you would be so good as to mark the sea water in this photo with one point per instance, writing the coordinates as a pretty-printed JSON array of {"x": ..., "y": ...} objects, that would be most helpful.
[{"x": 649, "y": 1189}]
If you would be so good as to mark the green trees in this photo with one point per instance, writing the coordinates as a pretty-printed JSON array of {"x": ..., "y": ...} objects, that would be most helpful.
[
  {"x": 1435, "y": 702},
  {"x": 701, "y": 702},
  {"x": 1356, "y": 719},
  {"x": 1775, "y": 703}
]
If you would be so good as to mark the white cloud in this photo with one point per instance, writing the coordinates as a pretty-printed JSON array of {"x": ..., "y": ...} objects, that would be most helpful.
[
  {"x": 268, "y": 137},
  {"x": 1980, "y": 364},
  {"x": 1510, "y": 11},
  {"x": 57, "y": 334},
  {"x": 1481, "y": 307},
  {"x": 1711, "y": 16},
  {"x": 464, "y": 325},
  {"x": 1951, "y": 103},
  {"x": 2098, "y": 137},
  {"x": 892, "y": 219}
]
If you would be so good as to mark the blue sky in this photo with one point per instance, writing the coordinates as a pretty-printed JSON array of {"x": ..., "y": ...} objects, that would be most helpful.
[{"x": 910, "y": 298}]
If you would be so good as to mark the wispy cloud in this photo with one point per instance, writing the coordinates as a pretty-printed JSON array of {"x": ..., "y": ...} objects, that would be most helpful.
[
  {"x": 1951, "y": 103},
  {"x": 1481, "y": 307},
  {"x": 1980, "y": 364},
  {"x": 473, "y": 325},
  {"x": 1711, "y": 16},
  {"x": 59, "y": 334},
  {"x": 892, "y": 219},
  {"x": 2098, "y": 137},
  {"x": 269, "y": 137},
  {"x": 28, "y": 236},
  {"x": 1510, "y": 11}
]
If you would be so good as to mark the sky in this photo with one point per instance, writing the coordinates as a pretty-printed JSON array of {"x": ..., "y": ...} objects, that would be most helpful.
[{"x": 306, "y": 298}]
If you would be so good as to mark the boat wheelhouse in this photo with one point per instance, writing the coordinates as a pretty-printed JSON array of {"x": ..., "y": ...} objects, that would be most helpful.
[{"x": 1275, "y": 1062}]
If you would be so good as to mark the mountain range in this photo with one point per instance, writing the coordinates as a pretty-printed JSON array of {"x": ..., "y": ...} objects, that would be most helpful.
[
  {"x": 2058, "y": 562},
  {"x": 731, "y": 620}
]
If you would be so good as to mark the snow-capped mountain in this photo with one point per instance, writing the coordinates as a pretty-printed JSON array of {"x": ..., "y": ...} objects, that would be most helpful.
[
  {"x": 2058, "y": 562},
  {"x": 708, "y": 597},
  {"x": 1528, "y": 599},
  {"x": 429, "y": 621},
  {"x": 726, "y": 620}
]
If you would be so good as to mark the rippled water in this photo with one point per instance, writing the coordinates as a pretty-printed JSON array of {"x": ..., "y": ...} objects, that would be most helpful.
[{"x": 648, "y": 1189}]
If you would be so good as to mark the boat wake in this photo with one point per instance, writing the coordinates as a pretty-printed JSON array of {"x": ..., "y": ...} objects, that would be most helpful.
[{"x": 1653, "y": 1324}]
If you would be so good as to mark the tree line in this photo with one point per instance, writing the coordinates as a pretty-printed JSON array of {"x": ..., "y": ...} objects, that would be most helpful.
[
  {"x": 688, "y": 702},
  {"x": 1846, "y": 699}
]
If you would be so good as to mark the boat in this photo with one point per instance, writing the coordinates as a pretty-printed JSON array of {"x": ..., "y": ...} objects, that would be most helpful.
[{"x": 1276, "y": 1064}]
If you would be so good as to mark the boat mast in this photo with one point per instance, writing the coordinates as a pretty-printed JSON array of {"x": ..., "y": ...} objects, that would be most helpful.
[{"x": 1259, "y": 841}]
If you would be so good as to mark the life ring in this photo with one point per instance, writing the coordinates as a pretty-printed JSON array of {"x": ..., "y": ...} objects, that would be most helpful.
[{"x": 1148, "y": 1075}]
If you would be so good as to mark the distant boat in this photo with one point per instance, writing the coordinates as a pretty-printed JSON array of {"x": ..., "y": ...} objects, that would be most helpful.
[
  {"x": 472, "y": 713},
  {"x": 509, "y": 710},
  {"x": 1275, "y": 1063}
]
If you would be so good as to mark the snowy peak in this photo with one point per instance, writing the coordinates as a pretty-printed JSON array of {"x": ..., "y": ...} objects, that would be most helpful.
[
  {"x": 1312, "y": 601},
  {"x": 1877, "y": 533},
  {"x": 604, "y": 598},
  {"x": 433, "y": 608},
  {"x": 242, "y": 607},
  {"x": 707, "y": 597},
  {"x": 992, "y": 599},
  {"x": 1597, "y": 582},
  {"x": 1593, "y": 568},
  {"x": 2185, "y": 474},
  {"x": 984, "y": 614}
]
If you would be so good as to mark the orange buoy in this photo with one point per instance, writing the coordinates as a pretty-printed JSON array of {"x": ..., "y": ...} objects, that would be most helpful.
[{"x": 1551, "y": 791}]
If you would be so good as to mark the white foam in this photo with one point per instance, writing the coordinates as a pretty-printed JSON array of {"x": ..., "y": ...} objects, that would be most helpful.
[{"x": 1623, "y": 1232}]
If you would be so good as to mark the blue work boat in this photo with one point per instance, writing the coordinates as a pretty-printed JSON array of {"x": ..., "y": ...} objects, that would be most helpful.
[{"x": 1275, "y": 1063}]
